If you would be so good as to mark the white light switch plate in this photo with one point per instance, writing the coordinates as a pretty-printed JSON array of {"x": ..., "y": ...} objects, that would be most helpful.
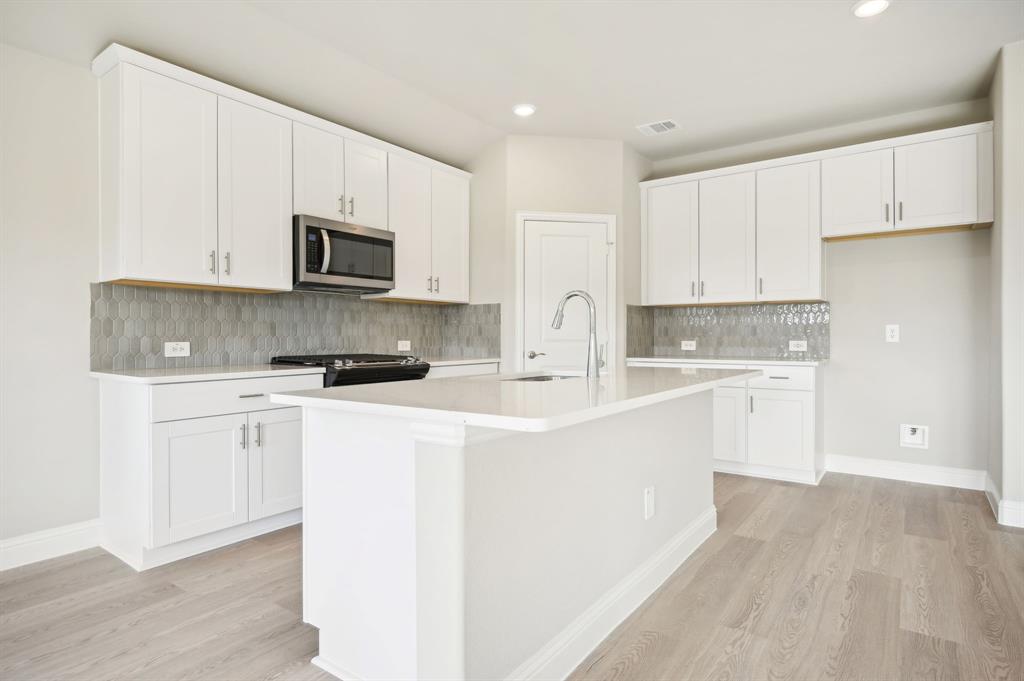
[
  {"x": 892, "y": 333},
  {"x": 404, "y": 346},
  {"x": 688, "y": 345},
  {"x": 798, "y": 346},
  {"x": 177, "y": 349}
]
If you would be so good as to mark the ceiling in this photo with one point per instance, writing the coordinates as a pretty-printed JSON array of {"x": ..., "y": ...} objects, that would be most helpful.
[{"x": 442, "y": 77}]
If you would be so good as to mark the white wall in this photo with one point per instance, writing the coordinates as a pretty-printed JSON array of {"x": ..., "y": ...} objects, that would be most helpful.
[
  {"x": 48, "y": 255},
  {"x": 1007, "y": 426},
  {"x": 936, "y": 287},
  {"x": 908, "y": 123}
]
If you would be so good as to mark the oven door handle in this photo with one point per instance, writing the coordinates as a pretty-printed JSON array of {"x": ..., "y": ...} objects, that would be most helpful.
[{"x": 327, "y": 251}]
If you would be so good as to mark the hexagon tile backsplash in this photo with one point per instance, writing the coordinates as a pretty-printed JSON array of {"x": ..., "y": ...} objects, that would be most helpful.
[
  {"x": 729, "y": 331},
  {"x": 131, "y": 323}
]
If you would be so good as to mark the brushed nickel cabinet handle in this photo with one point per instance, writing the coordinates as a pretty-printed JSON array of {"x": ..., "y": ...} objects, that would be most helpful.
[
  {"x": 693, "y": 289},
  {"x": 779, "y": 378},
  {"x": 751, "y": 404},
  {"x": 243, "y": 429},
  {"x": 243, "y": 397},
  {"x": 213, "y": 262},
  {"x": 259, "y": 434},
  {"x": 341, "y": 204},
  {"x": 702, "y": 287},
  {"x": 227, "y": 263},
  {"x": 760, "y": 284},
  {"x": 352, "y": 206},
  {"x": 901, "y": 211},
  {"x": 887, "y": 213},
  {"x": 430, "y": 284},
  {"x": 437, "y": 284}
]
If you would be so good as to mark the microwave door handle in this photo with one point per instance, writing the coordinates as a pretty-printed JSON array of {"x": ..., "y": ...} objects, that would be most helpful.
[{"x": 327, "y": 251}]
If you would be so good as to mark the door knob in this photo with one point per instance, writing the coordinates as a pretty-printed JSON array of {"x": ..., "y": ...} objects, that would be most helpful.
[{"x": 534, "y": 355}]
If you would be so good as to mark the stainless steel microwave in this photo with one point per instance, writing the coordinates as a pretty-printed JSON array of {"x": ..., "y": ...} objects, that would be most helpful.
[{"x": 337, "y": 257}]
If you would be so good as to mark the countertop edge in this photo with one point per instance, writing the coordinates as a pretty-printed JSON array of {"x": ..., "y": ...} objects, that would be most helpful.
[
  {"x": 460, "y": 362},
  {"x": 758, "y": 362},
  {"x": 227, "y": 373},
  {"x": 510, "y": 423}
]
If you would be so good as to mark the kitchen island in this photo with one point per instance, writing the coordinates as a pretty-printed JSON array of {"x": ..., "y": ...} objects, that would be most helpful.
[{"x": 497, "y": 526}]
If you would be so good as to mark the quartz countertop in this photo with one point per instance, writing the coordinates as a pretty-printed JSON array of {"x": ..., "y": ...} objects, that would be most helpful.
[
  {"x": 497, "y": 401},
  {"x": 449, "y": 362},
  {"x": 194, "y": 374},
  {"x": 718, "y": 360}
]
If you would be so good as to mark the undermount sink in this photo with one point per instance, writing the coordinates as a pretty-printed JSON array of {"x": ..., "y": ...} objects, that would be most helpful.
[{"x": 545, "y": 377}]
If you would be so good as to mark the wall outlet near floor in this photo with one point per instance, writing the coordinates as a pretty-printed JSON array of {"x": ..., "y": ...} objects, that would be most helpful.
[
  {"x": 404, "y": 346},
  {"x": 892, "y": 333},
  {"x": 913, "y": 436},
  {"x": 798, "y": 346},
  {"x": 177, "y": 349},
  {"x": 688, "y": 345},
  {"x": 648, "y": 503}
]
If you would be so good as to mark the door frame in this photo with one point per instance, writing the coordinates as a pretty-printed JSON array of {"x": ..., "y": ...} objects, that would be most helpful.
[{"x": 611, "y": 282}]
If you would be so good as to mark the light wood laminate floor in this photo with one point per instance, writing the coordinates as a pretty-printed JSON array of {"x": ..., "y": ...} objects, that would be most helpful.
[{"x": 855, "y": 579}]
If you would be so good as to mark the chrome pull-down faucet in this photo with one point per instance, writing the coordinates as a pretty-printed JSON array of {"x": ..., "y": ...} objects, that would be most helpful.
[{"x": 593, "y": 365}]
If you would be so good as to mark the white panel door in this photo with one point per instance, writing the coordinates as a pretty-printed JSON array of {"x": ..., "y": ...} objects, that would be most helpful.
[
  {"x": 730, "y": 424},
  {"x": 857, "y": 193},
  {"x": 366, "y": 185},
  {"x": 937, "y": 183},
  {"x": 727, "y": 239},
  {"x": 254, "y": 197},
  {"x": 200, "y": 480},
  {"x": 409, "y": 219},
  {"x": 318, "y": 173},
  {"x": 560, "y": 257},
  {"x": 275, "y": 461},
  {"x": 170, "y": 179},
  {"x": 789, "y": 233},
  {"x": 449, "y": 226},
  {"x": 670, "y": 235},
  {"x": 780, "y": 428}
]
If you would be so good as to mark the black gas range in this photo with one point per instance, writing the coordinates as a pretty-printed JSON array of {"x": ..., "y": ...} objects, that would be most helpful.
[{"x": 355, "y": 369}]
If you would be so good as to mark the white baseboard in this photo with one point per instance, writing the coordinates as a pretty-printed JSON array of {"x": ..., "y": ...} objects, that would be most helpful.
[
  {"x": 770, "y": 472},
  {"x": 562, "y": 654},
  {"x": 1010, "y": 513},
  {"x": 964, "y": 478},
  {"x": 46, "y": 544},
  {"x": 334, "y": 670}
]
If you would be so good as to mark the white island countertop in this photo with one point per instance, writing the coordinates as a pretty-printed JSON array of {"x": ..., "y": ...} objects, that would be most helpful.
[
  {"x": 499, "y": 401},
  {"x": 195, "y": 374}
]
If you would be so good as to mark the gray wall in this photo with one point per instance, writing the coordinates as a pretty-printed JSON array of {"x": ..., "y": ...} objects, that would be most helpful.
[
  {"x": 936, "y": 287},
  {"x": 131, "y": 323},
  {"x": 729, "y": 331}
]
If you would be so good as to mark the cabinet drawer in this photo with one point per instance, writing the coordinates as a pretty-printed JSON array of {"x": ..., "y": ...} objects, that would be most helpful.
[
  {"x": 175, "y": 401},
  {"x": 783, "y": 378}
]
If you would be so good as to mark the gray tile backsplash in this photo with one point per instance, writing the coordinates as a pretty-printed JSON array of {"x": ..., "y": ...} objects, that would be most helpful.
[
  {"x": 131, "y": 323},
  {"x": 729, "y": 331}
]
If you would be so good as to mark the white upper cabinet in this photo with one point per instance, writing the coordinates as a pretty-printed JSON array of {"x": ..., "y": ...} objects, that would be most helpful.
[
  {"x": 857, "y": 193},
  {"x": 449, "y": 226},
  {"x": 789, "y": 233},
  {"x": 318, "y": 173},
  {"x": 727, "y": 238},
  {"x": 254, "y": 193},
  {"x": 159, "y": 178},
  {"x": 937, "y": 183},
  {"x": 409, "y": 218},
  {"x": 670, "y": 245},
  {"x": 366, "y": 185}
]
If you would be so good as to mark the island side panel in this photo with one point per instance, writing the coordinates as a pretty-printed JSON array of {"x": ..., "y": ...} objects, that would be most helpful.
[
  {"x": 359, "y": 543},
  {"x": 555, "y": 521}
]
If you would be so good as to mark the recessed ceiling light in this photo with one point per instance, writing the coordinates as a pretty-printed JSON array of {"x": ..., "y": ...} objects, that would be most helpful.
[
  {"x": 524, "y": 110},
  {"x": 869, "y": 8}
]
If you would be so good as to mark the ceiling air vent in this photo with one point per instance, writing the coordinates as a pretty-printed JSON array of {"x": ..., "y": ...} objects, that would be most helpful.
[{"x": 657, "y": 128}]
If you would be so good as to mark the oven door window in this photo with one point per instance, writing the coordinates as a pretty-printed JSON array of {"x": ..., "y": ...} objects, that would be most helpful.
[{"x": 354, "y": 255}]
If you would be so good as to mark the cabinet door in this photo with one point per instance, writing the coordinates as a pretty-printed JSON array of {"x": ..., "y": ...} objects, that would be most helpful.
[
  {"x": 789, "y": 233},
  {"x": 318, "y": 174},
  {"x": 856, "y": 193},
  {"x": 169, "y": 204},
  {"x": 254, "y": 197},
  {"x": 366, "y": 185},
  {"x": 937, "y": 183},
  {"x": 670, "y": 254},
  {"x": 730, "y": 424},
  {"x": 409, "y": 219},
  {"x": 275, "y": 461},
  {"x": 449, "y": 227},
  {"x": 780, "y": 428},
  {"x": 727, "y": 239},
  {"x": 200, "y": 479}
]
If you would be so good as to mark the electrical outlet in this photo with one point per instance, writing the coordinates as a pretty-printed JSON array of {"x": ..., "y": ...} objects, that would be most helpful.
[
  {"x": 913, "y": 436},
  {"x": 648, "y": 503},
  {"x": 688, "y": 345},
  {"x": 177, "y": 349},
  {"x": 404, "y": 346},
  {"x": 798, "y": 346},
  {"x": 892, "y": 333}
]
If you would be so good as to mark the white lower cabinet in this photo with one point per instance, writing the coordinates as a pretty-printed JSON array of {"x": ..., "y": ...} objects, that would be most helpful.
[
  {"x": 780, "y": 428},
  {"x": 191, "y": 466},
  {"x": 730, "y": 420}
]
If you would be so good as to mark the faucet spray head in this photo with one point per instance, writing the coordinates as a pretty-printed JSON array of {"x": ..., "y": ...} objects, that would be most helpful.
[{"x": 556, "y": 323}]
